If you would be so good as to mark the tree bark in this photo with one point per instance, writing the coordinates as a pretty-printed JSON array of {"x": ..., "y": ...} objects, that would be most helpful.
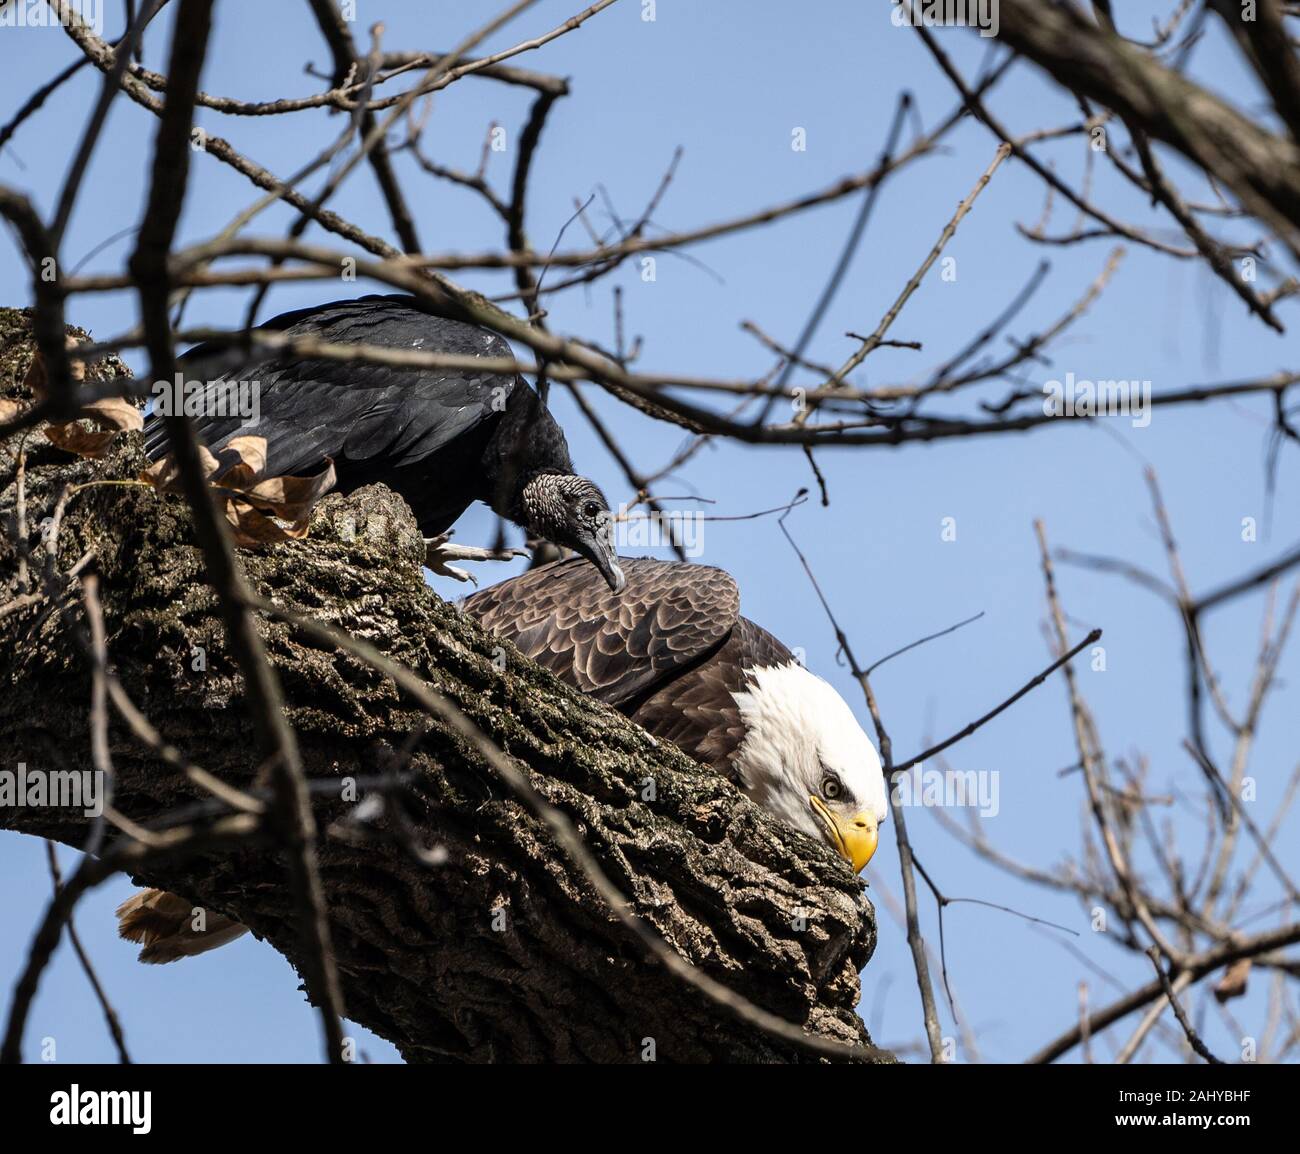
[{"x": 502, "y": 952}]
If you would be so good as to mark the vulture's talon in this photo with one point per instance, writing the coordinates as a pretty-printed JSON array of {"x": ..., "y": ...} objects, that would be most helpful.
[{"x": 439, "y": 553}]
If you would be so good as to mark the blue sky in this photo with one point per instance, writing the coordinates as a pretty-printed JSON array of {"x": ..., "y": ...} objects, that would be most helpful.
[{"x": 728, "y": 81}]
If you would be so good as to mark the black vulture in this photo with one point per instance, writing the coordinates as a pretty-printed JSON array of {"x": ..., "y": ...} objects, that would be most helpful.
[{"x": 442, "y": 438}]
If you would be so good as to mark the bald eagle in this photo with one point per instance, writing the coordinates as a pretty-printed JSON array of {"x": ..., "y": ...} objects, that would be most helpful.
[
  {"x": 673, "y": 653},
  {"x": 441, "y": 438}
]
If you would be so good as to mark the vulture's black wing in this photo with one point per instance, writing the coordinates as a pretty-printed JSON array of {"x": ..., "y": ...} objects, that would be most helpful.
[
  {"x": 351, "y": 411},
  {"x": 616, "y": 648}
]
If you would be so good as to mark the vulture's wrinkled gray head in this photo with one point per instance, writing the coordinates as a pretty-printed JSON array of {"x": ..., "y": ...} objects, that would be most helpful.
[{"x": 572, "y": 511}]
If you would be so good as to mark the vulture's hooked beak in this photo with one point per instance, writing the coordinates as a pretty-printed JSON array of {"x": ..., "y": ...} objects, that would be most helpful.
[
  {"x": 854, "y": 838},
  {"x": 598, "y": 548}
]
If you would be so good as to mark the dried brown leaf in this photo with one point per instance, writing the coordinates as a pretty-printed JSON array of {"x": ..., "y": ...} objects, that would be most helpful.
[
  {"x": 261, "y": 510},
  {"x": 110, "y": 415},
  {"x": 165, "y": 475},
  {"x": 1233, "y": 983},
  {"x": 246, "y": 453},
  {"x": 75, "y": 438},
  {"x": 292, "y": 498},
  {"x": 115, "y": 413},
  {"x": 249, "y": 527}
]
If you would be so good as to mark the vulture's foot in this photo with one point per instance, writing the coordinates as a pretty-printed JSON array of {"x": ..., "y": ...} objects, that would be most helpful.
[{"x": 439, "y": 553}]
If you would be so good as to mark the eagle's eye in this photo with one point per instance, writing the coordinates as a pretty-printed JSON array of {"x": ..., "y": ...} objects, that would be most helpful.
[{"x": 831, "y": 788}]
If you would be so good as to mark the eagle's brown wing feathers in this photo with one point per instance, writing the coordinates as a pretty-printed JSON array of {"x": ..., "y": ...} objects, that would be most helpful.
[
  {"x": 613, "y": 647},
  {"x": 696, "y": 710},
  {"x": 670, "y": 650}
]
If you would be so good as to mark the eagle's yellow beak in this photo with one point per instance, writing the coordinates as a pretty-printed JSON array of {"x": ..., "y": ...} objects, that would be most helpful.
[{"x": 855, "y": 837}]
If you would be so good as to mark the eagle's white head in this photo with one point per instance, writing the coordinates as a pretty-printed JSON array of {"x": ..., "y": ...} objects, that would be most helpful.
[{"x": 806, "y": 760}]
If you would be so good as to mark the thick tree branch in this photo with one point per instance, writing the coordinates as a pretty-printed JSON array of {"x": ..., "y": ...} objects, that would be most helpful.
[{"x": 1261, "y": 167}]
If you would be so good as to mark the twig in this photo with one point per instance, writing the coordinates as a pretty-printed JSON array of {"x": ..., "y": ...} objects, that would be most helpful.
[
  {"x": 1192, "y": 1037},
  {"x": 110, "y": 1014},
  {"x": 1033, "y": 683}
]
